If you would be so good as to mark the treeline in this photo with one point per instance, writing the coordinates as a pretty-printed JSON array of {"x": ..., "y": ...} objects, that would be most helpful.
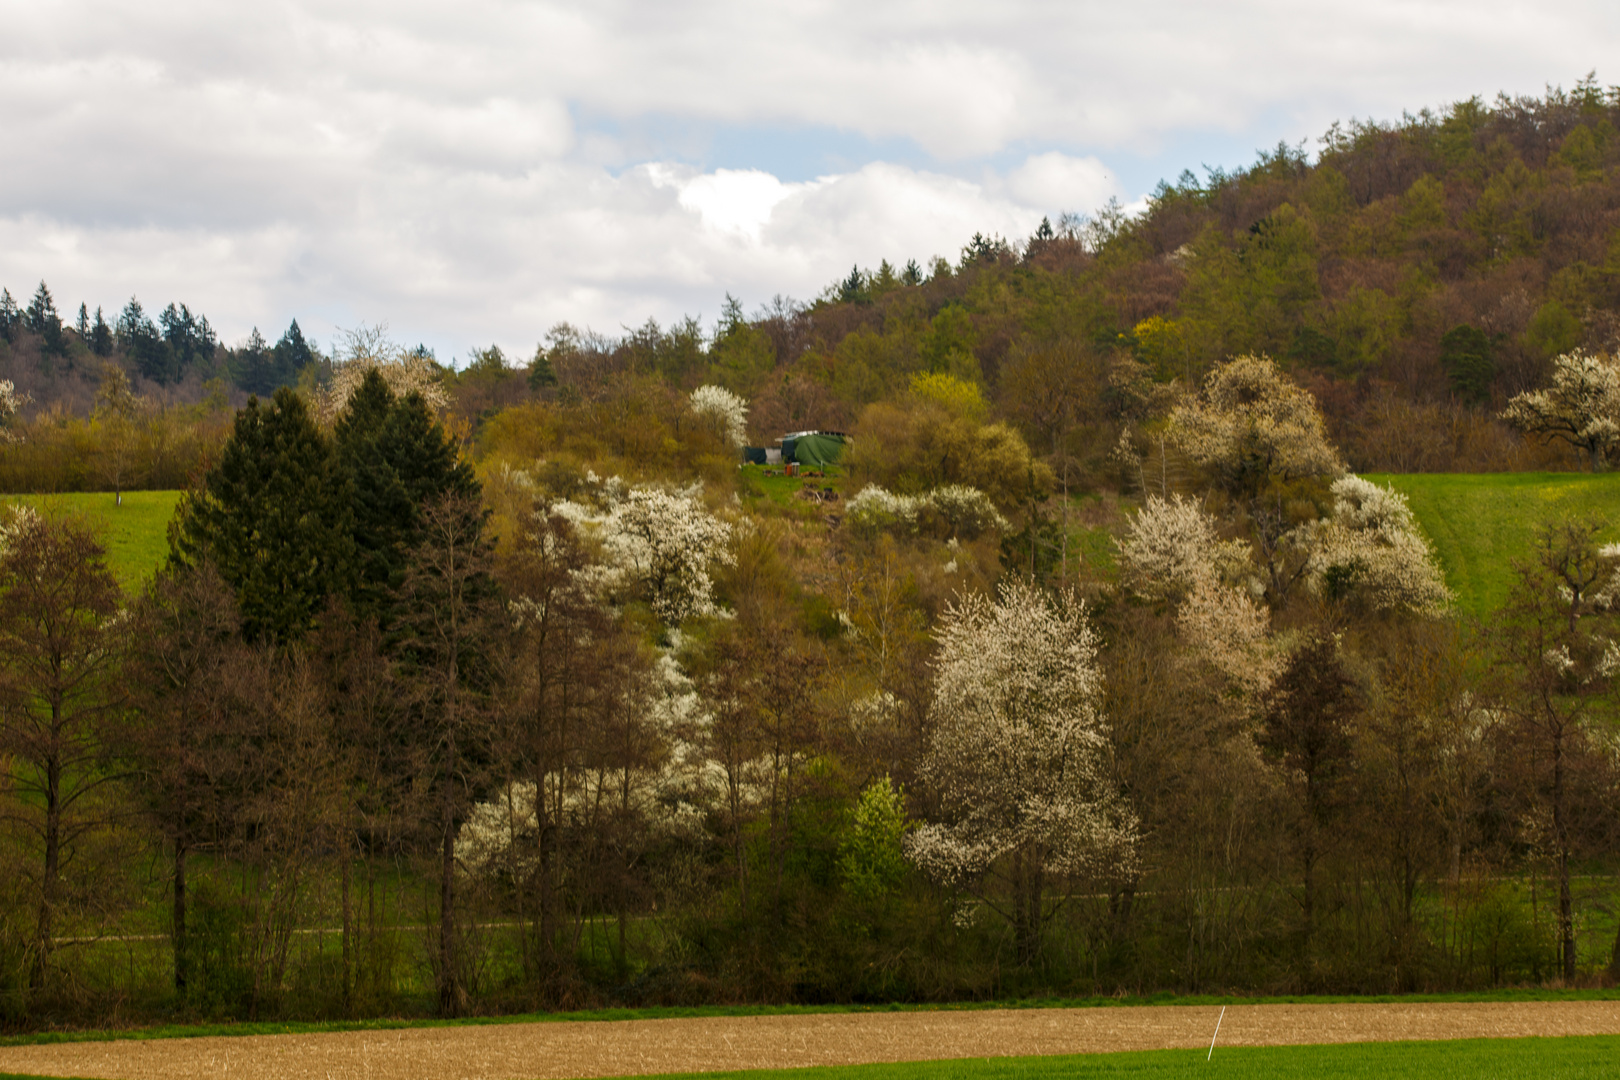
[
  {"x": 1416, "y": 276},
  {"x": 390, "y": 734}
]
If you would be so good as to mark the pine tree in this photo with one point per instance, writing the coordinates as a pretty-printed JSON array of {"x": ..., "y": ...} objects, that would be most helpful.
[
  {"x": 101, "y": 336},
  {"x": 291, "y": 353},
  {"x": 275, "y": 518},
  {"x": 42, "y": 315},
  {"x": 399, "y": 459},
  {"x": 43, "y": 319},
  {"x": 143, "y": 344},
  {"x": 255, "y": 370},
  {"x": 10, "y": 316}
]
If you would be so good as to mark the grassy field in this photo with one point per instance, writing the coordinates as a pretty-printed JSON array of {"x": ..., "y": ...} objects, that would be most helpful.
[
  {"x": 1576, "y": 1056},
  {"x": 1481, "y": 523},
  {"x": 136, "y": 534}
]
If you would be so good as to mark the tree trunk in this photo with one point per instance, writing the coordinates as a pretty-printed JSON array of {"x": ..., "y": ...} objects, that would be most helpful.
[
  {"x": 53, "y": 871},
  {"x": 348, "y": 931},
  {"x": 449, "y": 983},
  {"x": 1566, "y": 905},
  {"x": 182, "y": 940}
]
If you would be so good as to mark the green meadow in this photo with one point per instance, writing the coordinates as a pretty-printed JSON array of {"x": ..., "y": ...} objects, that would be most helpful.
[
  {"x": 1572, "y": 1056},
  {"x": 136, "y": 534},
  {"x": 1483, "y": 523}
]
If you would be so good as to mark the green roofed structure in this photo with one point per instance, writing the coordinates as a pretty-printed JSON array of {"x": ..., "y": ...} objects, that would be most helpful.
[{"x": 814, "y": 449}]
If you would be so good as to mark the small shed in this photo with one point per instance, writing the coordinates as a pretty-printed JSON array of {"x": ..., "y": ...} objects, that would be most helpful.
[{"x": 814, "y": 449}]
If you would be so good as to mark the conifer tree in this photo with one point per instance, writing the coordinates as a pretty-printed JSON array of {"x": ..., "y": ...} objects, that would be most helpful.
[
  {"x": 101, "y": 336},
  {"x": 399, "y": 459},
  {"x": 10, "y": 316},
  {"x": 274, "y": 516}
]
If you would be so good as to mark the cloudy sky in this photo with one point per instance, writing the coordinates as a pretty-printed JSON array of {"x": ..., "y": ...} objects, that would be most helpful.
[{"x": 475, "y": 172}]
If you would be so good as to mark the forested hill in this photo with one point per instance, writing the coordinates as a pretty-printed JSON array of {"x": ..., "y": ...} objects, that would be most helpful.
[{"x": 1414, "y": 277}]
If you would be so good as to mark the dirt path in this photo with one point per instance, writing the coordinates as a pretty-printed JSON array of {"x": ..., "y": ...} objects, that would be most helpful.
[{"x": 615, "y": 1048}]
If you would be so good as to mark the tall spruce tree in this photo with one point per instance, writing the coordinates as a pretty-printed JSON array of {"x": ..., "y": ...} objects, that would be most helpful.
[
  {"x": 101, "y": 336},
  {"x": 43, "y": 319},
  {"x": 290, "y": 355},
  {"x": 275, "y": 517},
  {"x": 399, "y": 459},
  {"x": 10, "y": 316}
]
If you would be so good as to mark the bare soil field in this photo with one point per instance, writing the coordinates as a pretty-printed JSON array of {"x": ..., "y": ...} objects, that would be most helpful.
[{"x": 631, "y": 1047}]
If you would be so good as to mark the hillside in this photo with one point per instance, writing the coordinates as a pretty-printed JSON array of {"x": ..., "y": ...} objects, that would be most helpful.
[{"x": 1414, "y": 276}]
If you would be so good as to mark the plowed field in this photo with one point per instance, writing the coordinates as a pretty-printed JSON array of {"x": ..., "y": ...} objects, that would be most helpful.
[{"x": 614, "y": 1048}]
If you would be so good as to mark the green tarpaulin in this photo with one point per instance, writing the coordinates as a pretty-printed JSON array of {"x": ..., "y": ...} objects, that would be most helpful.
[{"x": 814, "y": 450}]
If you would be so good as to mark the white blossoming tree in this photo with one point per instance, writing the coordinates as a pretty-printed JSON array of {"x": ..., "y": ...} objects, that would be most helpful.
[
  {"x": 1580, "y": 407},
  {"x": 368, "y": 349},
  {"x": 1020, "y": 758},
  {"x": 1172, "y": 552},
  {"x": 669, "y": 542},
  {"x": 1260, "y": 438},
  {"x": 724, "y": 412},
  {"x": 1372, "y": 551},
  {"x": 660, "y": 543},
  {"x": 1253, "y": 424},
  {"x": 954, "y": 509},
  {"x": 1171, "y": 546},
  {"x": 11, "y": 404}
]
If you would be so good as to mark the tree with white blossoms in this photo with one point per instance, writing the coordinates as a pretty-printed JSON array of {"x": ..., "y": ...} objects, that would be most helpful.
[
  {"x": 1252, "y": 424},
  {"x": 661, "y": 543},
  {"x": 1171, "y": 546},
  {"x": 1172, "y": 552},
  {"x": 367, "y": 349},
  {"x": 1020, "y": 757},
  {"x": 957, "y": 509},
  {"x": 1371, "y": 551},
  {"x": 1581, "y": 406},
  {"x": 1262, "y": 440},
  {"x": 11, "y": 403},
  {"x": 724, "y": 412}
]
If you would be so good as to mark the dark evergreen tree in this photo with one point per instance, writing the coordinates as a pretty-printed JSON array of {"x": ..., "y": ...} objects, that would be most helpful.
[
  {"x": 255, "y": 367},
  {"x": 141, "y": 342},
  {"x": 1465, "y": 354},
  {"x": 292, "y": 352},
  {"x": 42, "y": 315},
  {"x": 43, "y": 319},
  {"x": 274, "y": 516},
  {"x": 10, "y": 316},
  {"x": 190, "y": 339},
  {"x": 101, "y": 336},
  {"x": 399, "y": 459},
  {"x": 853, "y": 289},
  {"x": 82, "y": 325},
  {"x": 541, "y": 372}
]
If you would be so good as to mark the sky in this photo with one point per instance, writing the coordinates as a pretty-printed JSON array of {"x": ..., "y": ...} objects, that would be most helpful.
[{"x": 474, "y": 173}]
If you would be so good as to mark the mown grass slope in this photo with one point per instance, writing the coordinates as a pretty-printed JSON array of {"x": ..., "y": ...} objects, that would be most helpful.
[
  {"x": 1482, "y": 523},
  {"x": 136, "y": 534}
]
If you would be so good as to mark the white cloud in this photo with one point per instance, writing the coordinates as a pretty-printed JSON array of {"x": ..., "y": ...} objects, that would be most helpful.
[
  {"x": 478, "y": 170},
  {"x": 1057, "y": 181}
]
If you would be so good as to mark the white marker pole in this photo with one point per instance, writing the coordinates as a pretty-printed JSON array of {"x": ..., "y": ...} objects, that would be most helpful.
[{"x": 1217, "y": 1034}]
